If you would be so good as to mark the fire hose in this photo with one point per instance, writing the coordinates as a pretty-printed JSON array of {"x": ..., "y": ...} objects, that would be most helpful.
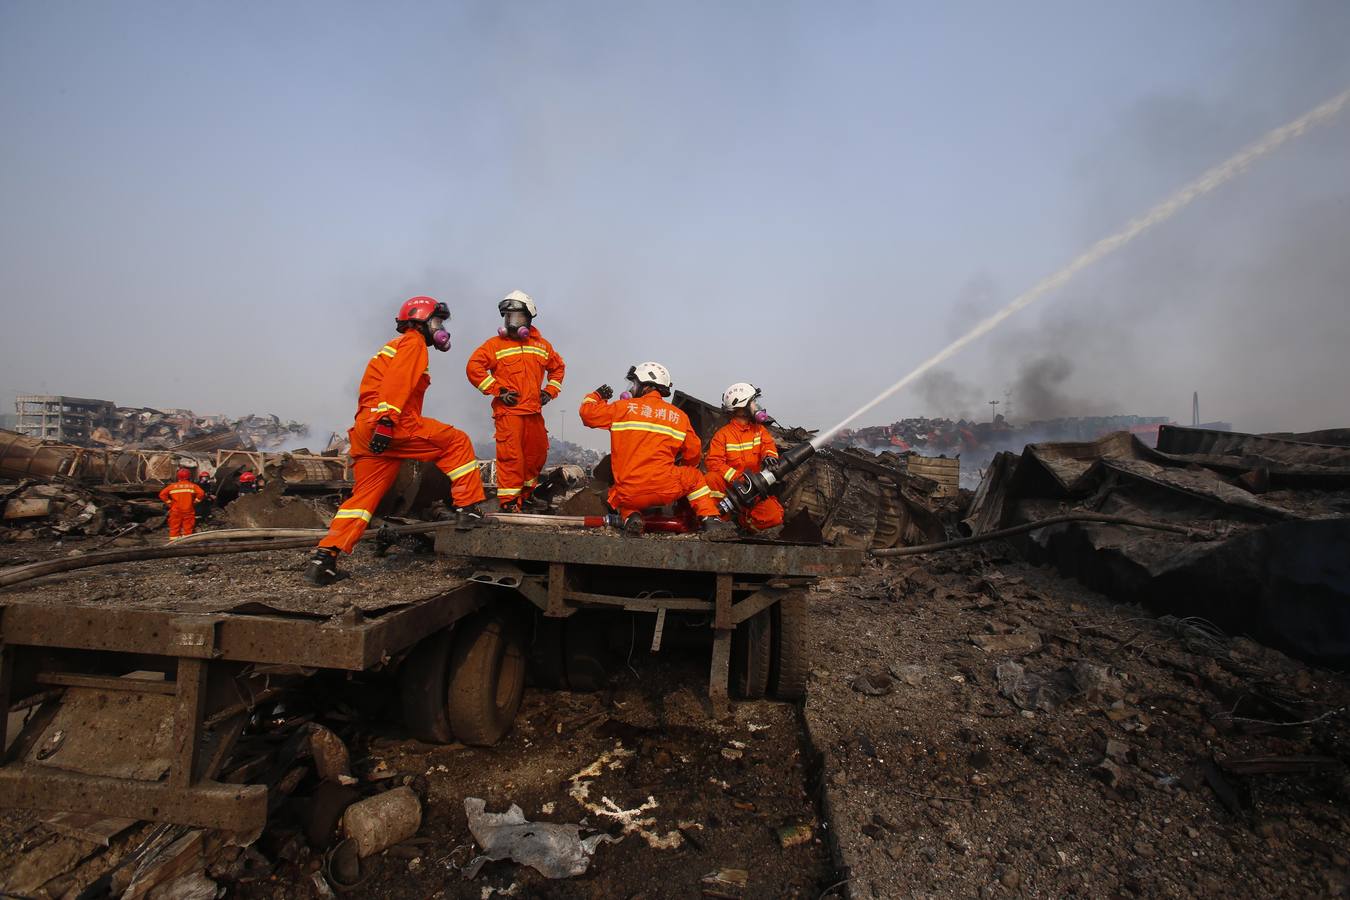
[{"x": 1106, "y": 518}]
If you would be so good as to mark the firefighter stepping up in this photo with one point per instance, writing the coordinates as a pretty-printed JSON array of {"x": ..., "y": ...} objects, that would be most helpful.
[
  {"x": 521, "y": 372},
  {"x": 648, "y": 439},
  {"x": 390, "y": 428},
  {"x": 182, "y": 497},
  {"x": 743, "y": 445}
]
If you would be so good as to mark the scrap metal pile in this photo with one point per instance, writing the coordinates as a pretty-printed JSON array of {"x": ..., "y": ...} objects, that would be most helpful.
[
  {"x": 977, "y": 442},
  {"x": 1274, "y": 561}
]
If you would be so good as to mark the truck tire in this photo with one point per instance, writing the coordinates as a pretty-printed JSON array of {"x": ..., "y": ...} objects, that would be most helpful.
[
  {"x": 487, "y": 678},
  {"x": 422, "y": 682},
  {"x": 751, "y": 656},
  {"x": 787, "y": 674}
]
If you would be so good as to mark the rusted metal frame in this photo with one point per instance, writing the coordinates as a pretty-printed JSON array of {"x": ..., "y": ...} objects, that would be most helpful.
[
  {"x": 187, "y": 720},
  {"x": 557, "y": 607},
  {"x": 105, "y": 683},
  {"x": 396, "y": 631},
  {"x": 720, "y": 675},
  {"x": 755, "y": 604},
  {"x": 206, "y": 804},
  {"x": 578, "y": 548},
  {"x": 243, "y": 638},
  {"x": 722, "y": 619},
  {"x": 641, "y": 604}
]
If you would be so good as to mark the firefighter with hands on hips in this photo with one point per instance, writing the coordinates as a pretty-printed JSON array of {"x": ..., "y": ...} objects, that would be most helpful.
[
  {"x": 182, "y": 497},
  {"x": 648, "y": 439},
  {"x": 521, "y": 372},
  {"x": 390, "y": 428},
  {"x": 744, "y": 445}
]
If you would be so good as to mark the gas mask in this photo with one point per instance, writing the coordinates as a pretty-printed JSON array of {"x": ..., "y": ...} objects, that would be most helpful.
[
  {"x": 757, "y": 413},
  {"x": 436, "y": 334},
  {"x": 632, "y": 385},
  {"x": 515, "y": 320},
  {"x": 515, "y": 325}
]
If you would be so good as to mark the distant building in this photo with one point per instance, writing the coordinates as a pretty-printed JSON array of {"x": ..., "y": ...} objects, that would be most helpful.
[{"x": 56, "y": 418}]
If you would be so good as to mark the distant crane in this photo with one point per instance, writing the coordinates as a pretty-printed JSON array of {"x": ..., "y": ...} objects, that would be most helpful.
[{"x": 992, "y": 411}]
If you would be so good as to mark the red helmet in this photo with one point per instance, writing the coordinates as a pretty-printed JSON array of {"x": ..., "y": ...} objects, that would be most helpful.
[
  {"x": 184, "y": 474},
  {"x": 420, "y": 309}
]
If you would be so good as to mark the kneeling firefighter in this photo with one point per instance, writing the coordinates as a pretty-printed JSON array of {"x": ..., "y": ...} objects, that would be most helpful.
[
  {"x": 743, "y": 445},
  {"x": 648, "y": 439},
  {"x": 390, "y": 428},
  {"x": 511, "y": 368}
]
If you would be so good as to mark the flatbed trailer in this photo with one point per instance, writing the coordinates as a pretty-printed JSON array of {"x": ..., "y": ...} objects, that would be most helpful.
[{"x": 205, "y": 664}]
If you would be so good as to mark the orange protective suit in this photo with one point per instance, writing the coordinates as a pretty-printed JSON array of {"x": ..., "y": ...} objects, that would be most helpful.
[
  {"x": 738, "y": 447},
  {"x": 392, "y": 387},
  {"x": 522, "y": 439},
  {"x": 646, "y": 436},
  {"x": 182, "y": 497}
]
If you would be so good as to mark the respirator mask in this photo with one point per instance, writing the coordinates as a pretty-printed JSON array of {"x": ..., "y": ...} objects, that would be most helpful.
[
  {"x": 436, "y": 333},
  {"x": 515, "y": 320}
]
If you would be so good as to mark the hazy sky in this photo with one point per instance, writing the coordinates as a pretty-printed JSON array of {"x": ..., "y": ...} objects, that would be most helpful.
[{"x": 220, "y": 205}]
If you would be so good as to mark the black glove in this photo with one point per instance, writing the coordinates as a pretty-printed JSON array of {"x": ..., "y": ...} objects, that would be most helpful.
[
  {"x": 544, "y": 397},
  {"x": 605, "y": 391},
  {"x": 383, "y": 436},
  {"x": 508, "y": 397},
  {"x": 770, "y": 462}
]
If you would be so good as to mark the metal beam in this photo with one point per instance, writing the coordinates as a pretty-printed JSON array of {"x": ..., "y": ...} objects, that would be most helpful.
[{"x": 208, "y": 804}]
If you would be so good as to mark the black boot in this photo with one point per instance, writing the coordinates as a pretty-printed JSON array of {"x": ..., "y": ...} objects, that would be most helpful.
[
  {"x": 322, "y": 569},
  {"x": 467, "y": 517},
  {"x": 715, "y": 529}
]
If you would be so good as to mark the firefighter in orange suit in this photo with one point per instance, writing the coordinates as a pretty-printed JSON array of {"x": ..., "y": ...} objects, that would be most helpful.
[
  {"x": 182, "y": 497},
  {"x": 512, "y": 369},
  {"x": 390, "y": 428},
  {"x": 648, "y": 438},
  {"x": 744, "y": 445}
]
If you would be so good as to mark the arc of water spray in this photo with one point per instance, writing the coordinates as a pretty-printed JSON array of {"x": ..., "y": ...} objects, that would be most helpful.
[{"x": 1211, "y": 179}]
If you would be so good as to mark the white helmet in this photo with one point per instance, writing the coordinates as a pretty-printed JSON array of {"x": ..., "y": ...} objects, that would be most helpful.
[
  {"x": 518, "y": 297},
  {"x": 739, "y": 396},
  {"x": 651, "y": 373}
]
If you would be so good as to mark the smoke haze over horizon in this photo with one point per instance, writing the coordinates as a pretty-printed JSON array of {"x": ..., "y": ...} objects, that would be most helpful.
[{"x": 221, "y": 207}]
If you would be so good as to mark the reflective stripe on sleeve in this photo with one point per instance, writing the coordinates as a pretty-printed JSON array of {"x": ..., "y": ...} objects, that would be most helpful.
[
  {"x": 729, "y": 474},
  {"x": 362, "y": 514},
  {"x": 587, "y": 400},
  {"x": 556, "y": 384},
  {"x": 700, "y": 493},
  {"x": 487, "y": 382},
  {"x": 387, "y": 407},
  {"x": 387, "y": 350},
  {"x": 456, "y": 474},
  {"x": 718, "y": 494}
]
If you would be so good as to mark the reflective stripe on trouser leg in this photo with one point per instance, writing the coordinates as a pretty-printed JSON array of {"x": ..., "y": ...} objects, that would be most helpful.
[
  {"x": 373, "y": 475},
  {"x": 717, "y": 486}
]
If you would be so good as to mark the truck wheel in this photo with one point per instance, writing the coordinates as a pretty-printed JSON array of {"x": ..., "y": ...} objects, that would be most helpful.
[
  {"x": 751, "y": 652},
  {"x": 487, "y": 678},
  {"x": 787, "y": 674},
  {"x": 422, "y": 682}
]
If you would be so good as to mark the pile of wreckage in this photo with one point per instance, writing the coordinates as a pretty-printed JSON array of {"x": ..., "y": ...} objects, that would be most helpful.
[
  {"x": 154, "y": 429},
  {"x": 1269, "y": 556},
  {"x": 976, "y": 443}
]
